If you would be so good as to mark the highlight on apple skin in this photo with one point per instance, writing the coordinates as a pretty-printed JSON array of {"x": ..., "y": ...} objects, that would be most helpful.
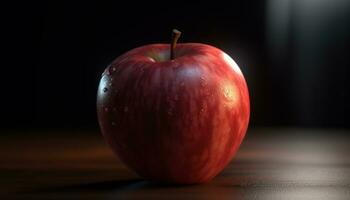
[{"x": 177, "y": 119}]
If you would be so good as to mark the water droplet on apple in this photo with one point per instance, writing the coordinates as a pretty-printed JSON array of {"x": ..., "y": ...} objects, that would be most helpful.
[
  {"x": 182, "y": 84},
  {"x": 126, "y": 109},
  {"x": 113, "y": 69},
  {"x": 201, "y": 111},
  {"x": 105, "y": 89},
  {"x": 202, "y": 81},
  {"x": 106, "y": 109}
]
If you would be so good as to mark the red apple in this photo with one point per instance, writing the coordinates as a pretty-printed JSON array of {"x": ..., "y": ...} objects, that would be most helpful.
[{"x": 176, "y": 118}]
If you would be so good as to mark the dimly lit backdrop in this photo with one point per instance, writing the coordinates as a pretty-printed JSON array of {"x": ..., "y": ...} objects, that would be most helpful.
[{"x": 294, "y": 54}]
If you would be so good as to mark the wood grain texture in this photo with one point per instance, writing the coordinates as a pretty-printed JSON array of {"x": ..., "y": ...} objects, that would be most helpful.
[{"x": 271, "y": 164}]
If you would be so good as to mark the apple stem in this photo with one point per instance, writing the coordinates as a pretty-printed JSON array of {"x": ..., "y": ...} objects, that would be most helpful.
[{"x": 174, "y": 37}]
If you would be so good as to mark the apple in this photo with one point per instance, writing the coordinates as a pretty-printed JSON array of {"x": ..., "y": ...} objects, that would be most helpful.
[{"x": 174, "y": 113}]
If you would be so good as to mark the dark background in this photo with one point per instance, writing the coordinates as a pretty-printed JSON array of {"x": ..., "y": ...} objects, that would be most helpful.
[{"x": 294, "y": 54}]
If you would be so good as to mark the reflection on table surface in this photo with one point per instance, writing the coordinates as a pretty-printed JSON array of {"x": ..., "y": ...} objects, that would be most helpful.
[{"x": 271, "y": 164}]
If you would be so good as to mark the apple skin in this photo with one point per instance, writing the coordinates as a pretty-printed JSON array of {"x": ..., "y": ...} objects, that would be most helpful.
[{"x": 178, "y": 121}]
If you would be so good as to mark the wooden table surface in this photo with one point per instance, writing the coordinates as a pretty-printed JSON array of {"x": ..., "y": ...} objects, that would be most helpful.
[{"x": 271, "y": 164}]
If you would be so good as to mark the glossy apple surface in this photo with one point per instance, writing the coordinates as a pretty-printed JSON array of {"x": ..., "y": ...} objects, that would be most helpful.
[{"x": 178, "y": 121}]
